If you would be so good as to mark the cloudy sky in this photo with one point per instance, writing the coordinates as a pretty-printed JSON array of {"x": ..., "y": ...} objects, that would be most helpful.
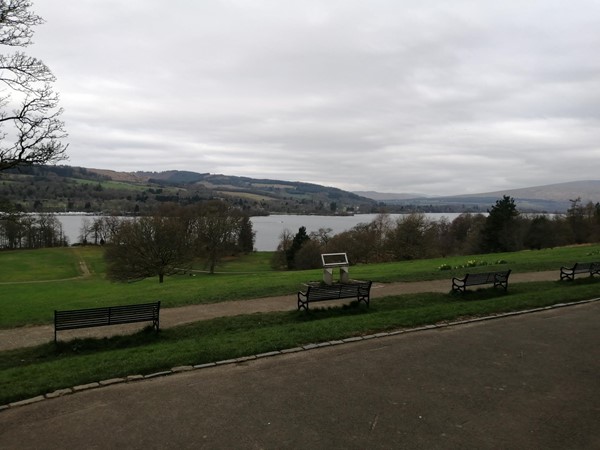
[{"x": 433, "y": 97}]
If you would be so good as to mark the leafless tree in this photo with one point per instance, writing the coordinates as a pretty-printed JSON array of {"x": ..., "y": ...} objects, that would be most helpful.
[
  {"x": 30, "y": 125},
  {"x": 216, "y": 227},
  {"x": 149, "y": 246}
]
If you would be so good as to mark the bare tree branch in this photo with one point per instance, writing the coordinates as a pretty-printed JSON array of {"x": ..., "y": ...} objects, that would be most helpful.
[{"x": 31, "y": 130}]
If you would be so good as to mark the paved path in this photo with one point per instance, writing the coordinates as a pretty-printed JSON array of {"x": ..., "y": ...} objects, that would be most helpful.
[
  {"x": 523, "y": 382},
  {"x": 169, "y": 317}
]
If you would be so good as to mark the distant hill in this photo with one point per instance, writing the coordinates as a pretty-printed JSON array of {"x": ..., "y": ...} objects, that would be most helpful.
[
  {"x": 66, "y": 188},
  {"x": 384, "y": 196},
  {"x": 548, "y": 198},
  {"x": 588, "y": 190}
]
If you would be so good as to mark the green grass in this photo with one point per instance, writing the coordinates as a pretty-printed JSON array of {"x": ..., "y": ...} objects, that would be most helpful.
[
  {"x": 40, "y": 264},
  {"x": 258, "y": 262},
  {"x": 33, "y": 303},
  {"x": 29, "y": 372}
]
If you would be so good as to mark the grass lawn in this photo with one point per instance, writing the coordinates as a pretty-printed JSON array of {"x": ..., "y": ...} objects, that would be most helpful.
[
  {"x": 35, "y": 282},
  {"x": 29, "y": 372}
]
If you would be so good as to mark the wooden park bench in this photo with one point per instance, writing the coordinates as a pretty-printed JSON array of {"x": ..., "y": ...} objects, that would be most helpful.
[
  {"x": 108, "y": 315},
  {"x": 498, "y": 279},
  {"x": 360, "y": 290},
  {"x": 591, "y": 268}
]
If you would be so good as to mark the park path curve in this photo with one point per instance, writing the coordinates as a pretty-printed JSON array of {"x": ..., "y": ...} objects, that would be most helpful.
[{"x": 29, "y": 336}]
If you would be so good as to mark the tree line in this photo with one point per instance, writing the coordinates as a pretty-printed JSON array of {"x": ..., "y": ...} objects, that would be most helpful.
[
  {"x": 20, "y": 231},
  {"x": 163, "y": 243},
  {"x": 172, "y": 239},
  {"x": 414, "y": 236}
]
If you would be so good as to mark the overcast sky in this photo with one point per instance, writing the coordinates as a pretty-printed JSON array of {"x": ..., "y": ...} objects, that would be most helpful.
[{"x": 434, "y": 97}]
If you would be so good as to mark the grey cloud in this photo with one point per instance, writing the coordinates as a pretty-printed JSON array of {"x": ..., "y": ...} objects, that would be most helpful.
[{"x": 417, "y": 96}]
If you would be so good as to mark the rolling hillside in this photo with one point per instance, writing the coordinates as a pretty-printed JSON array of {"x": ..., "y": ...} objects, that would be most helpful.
[
  {"x": 548, "y": 198},
  {"x": 66, "y": 188}
]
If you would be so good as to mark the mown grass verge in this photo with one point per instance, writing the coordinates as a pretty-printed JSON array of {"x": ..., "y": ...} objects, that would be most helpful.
[
  {"x": 33, "y": 301},
  {"x": 30, "y": 372}
]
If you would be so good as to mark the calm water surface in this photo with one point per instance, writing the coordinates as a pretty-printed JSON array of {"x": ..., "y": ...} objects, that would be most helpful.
[{"x": 268, "y": 228}]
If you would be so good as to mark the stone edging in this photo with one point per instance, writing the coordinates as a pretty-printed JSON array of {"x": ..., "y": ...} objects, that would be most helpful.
[{"x": 174, "y": 370}]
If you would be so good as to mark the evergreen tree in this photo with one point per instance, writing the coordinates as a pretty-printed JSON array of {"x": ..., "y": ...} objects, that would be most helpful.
[
  {"x": 501, "y": 229},
  {"x": 246, "y": 235},
  {"x": 299, "y": 240}
]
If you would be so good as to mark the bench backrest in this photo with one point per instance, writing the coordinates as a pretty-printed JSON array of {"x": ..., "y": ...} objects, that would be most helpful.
[
  {"x": 487, "y": 277},
  {"x": 345, "y": 290},
  {"x": 326, "y": 292},
  {"x": 584, "y": 266},
  {"x": 108, "y": 315},
  {"x": 480, "y": 278}
]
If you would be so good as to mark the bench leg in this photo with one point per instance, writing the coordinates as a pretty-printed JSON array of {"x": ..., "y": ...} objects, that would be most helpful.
[
  {"x": 503, "y": 285},
  {"x": 459, "y": 289},
  {"x": 567, "y": 276},
  {"x": 364, "y": 298},
  {"x": 302, "y": 305}
]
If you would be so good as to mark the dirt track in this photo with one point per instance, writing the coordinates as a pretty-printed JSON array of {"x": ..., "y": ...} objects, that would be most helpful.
[{"x": 35, "y": 335}]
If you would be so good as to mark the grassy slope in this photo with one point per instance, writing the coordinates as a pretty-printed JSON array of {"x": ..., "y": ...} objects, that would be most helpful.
[
  {"x": 36, "y": 282},
  {"x": 34, "y": 371}
]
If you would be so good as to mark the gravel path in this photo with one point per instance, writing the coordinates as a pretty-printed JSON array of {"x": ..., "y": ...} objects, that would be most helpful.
[{"x": 29, "y": 336}]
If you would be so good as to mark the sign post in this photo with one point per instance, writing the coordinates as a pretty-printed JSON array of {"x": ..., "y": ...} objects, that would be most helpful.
[{"x": 332, "y": 261}]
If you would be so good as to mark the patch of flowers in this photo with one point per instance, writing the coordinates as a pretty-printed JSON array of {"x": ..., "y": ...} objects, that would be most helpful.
[{"x": 471, "y": 263}]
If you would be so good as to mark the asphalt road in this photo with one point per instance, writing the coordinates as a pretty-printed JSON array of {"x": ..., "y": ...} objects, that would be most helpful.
[{"x": 523, "y": 382}]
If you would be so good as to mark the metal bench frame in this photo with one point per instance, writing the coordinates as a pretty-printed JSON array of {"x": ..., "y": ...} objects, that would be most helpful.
[
  {"x": 360, "y": 290},
  {"x": 498, "y": 279},
  {"x": 568, "y": 273},
  {"x": 108, "y": 315}
]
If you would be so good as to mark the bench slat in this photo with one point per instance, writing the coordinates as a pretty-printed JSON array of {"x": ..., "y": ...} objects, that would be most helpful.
[
  {"x": 109, "y": 315},
  {"x": 498, "y": 279},
  {"x": 360, "y": 291}
]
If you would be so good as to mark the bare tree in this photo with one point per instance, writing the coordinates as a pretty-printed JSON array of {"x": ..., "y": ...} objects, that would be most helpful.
[
  {"x": 411, "y": 238},
  {"x": 101, "y": 229},
  {"x": 323, "y": 236},
  {"x": 84, "y": 231},
  {"x": 149, "y": 246},
  {"x": 30, "y": 125},
  {"x": 217, "y": 228},
  {"x": 278, "y": 260}
]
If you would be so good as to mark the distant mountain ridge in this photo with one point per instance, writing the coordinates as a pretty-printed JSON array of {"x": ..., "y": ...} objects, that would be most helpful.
[
  {"x": 547, "y": 198},
  {"x": 551, "y": 198},
  {"x": 588, "y": 190},
  {"x": 67, "y": 188},
  {"x": 383, "y": 196}
]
